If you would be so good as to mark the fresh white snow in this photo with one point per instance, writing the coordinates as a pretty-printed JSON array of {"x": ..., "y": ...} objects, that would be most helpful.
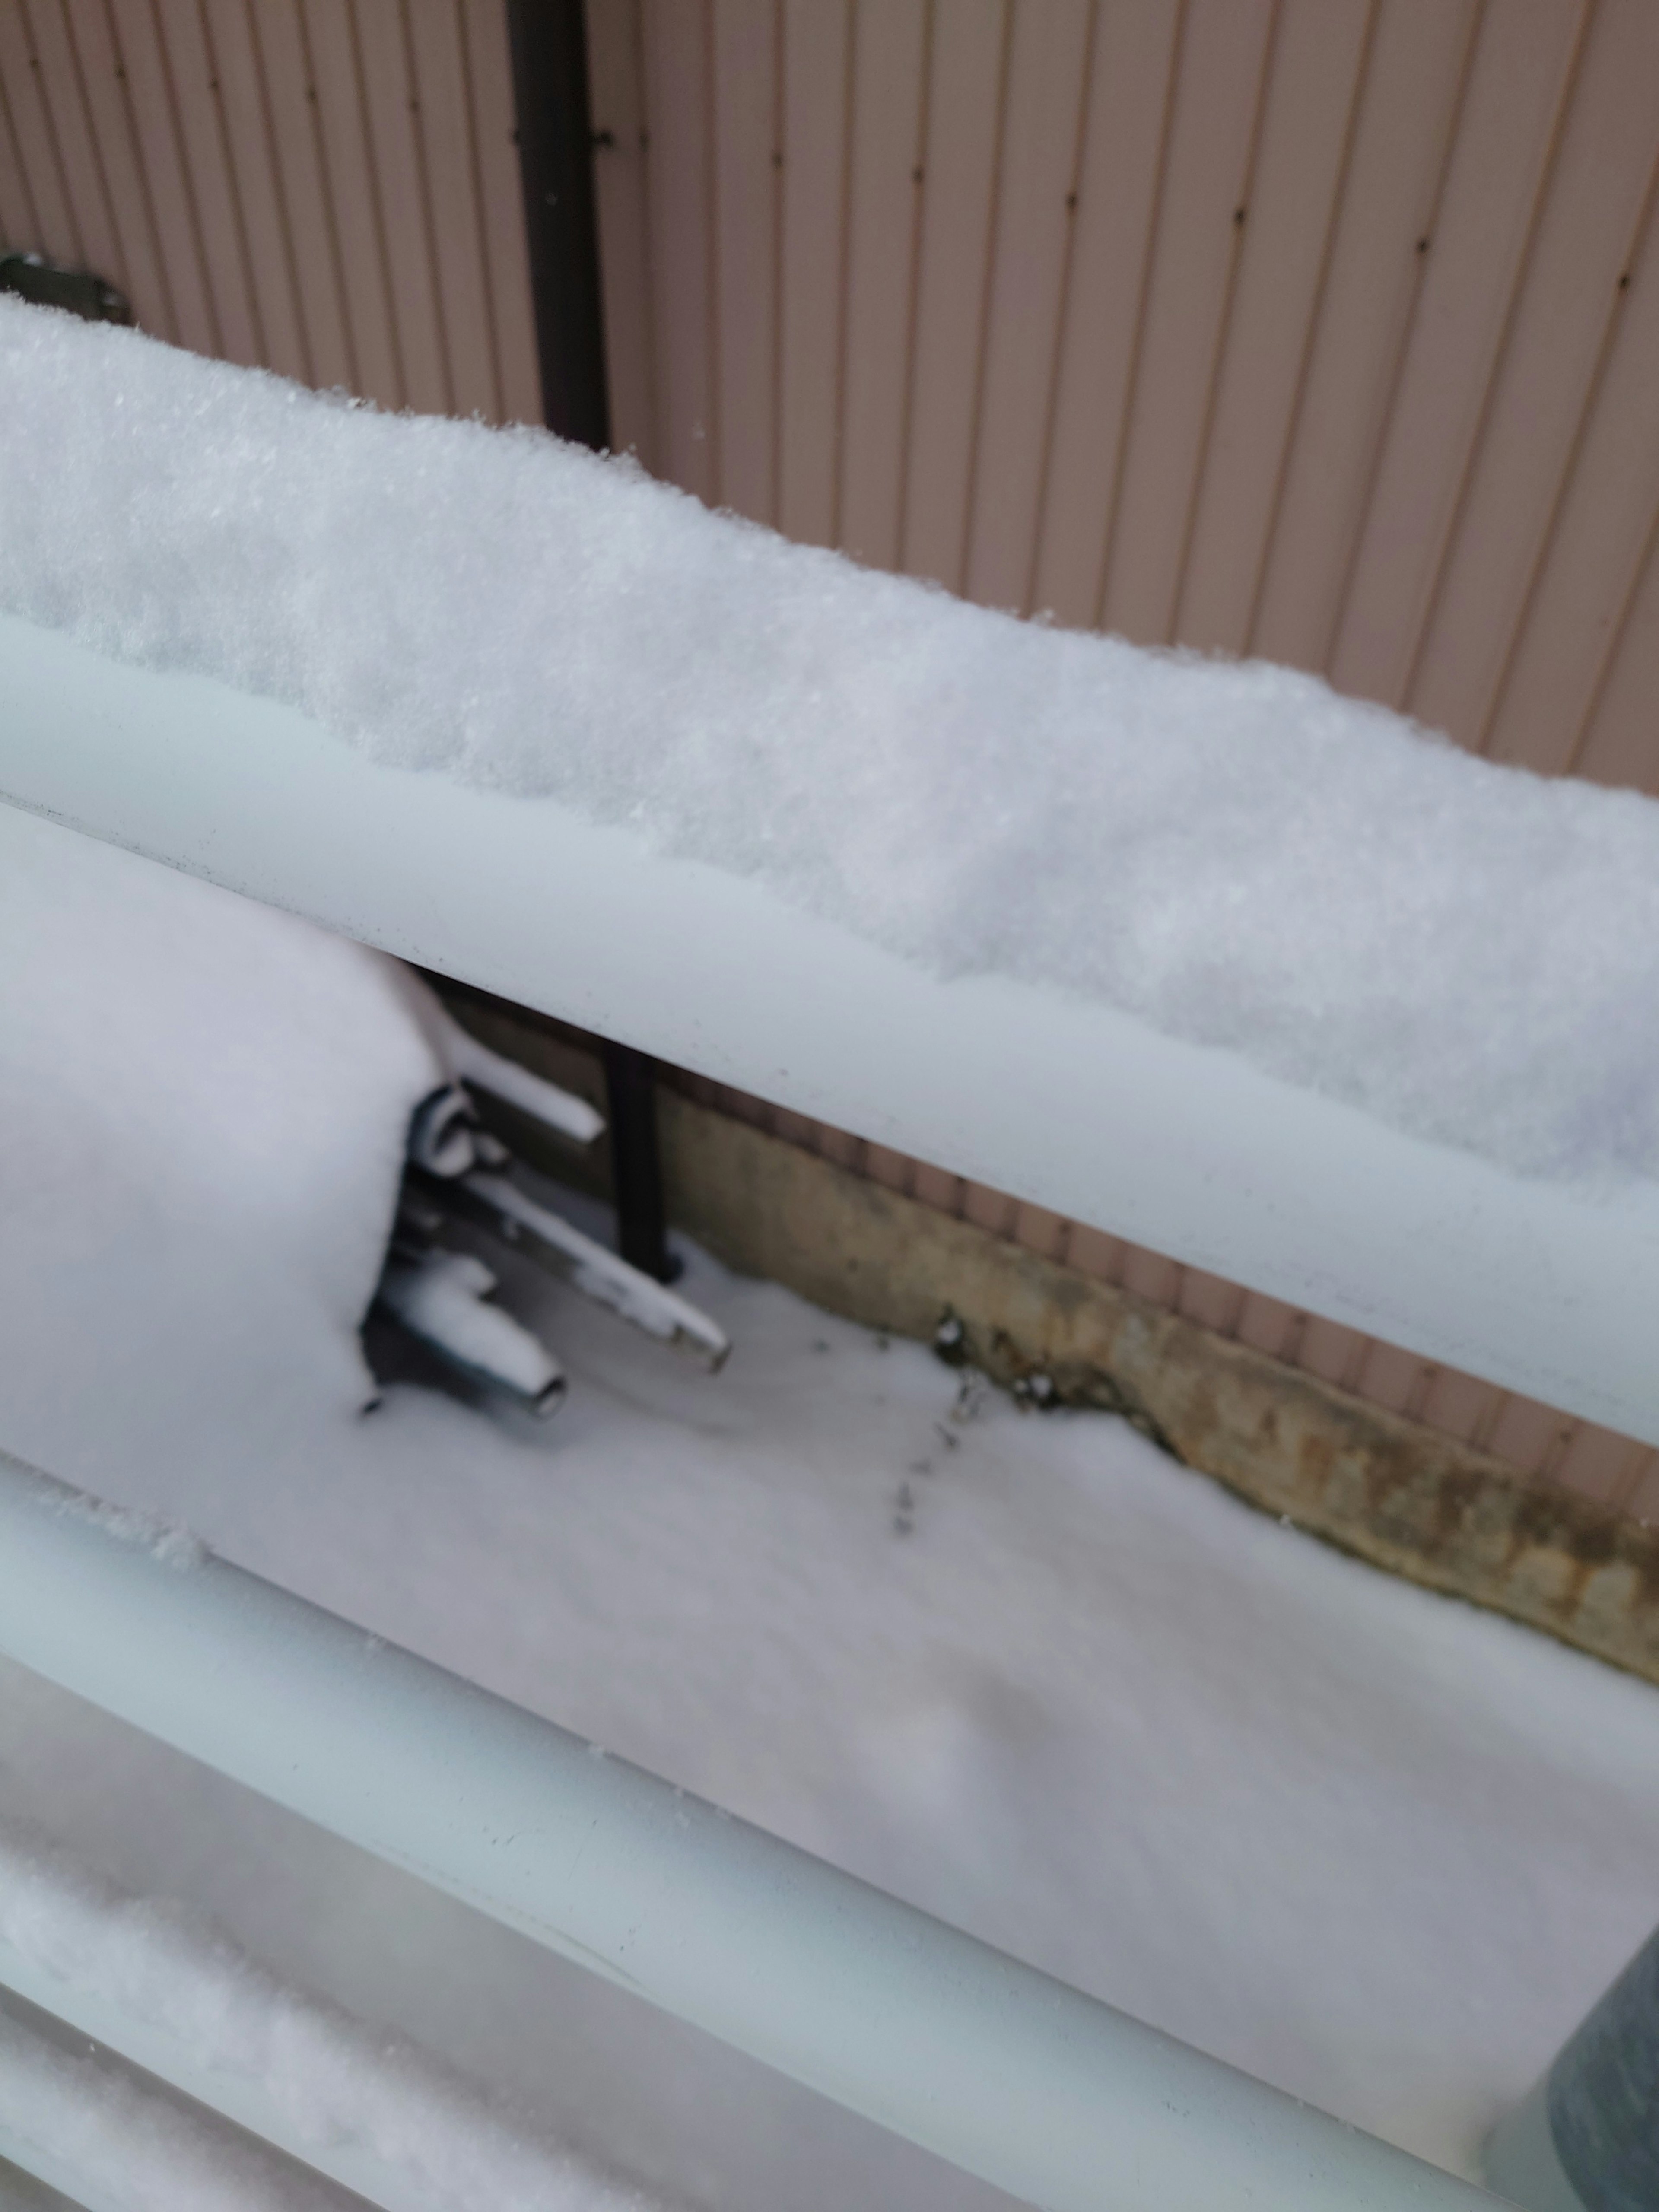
[
  {"x": 1019, "y": 1669},
  {"x": 1229, "y": 851},
  {"x": 106, "y": 2138},
  {"x": 325, "y": 2081}
]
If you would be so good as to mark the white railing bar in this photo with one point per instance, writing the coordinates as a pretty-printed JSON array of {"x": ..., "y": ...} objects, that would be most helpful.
[
  {"x": 1543, "y": 1289},
  {"x": 104, "y": 2135},
  {"x": 183, "y": 2062},
  {"x": 1049, "y": 2094}
]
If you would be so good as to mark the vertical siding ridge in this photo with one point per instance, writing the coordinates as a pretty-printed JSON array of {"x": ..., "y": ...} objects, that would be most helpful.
[
  {"x": 187, "y": 178},
  {"x": 146, "y": 192},
  {"x": 1617, "y": 309},
  {"x": 648, "y": 255},
  {"x": 1612, "y": 646},
  {"x": 54, "y": 142},
  {"x": 1402, "y": 350},
  {"x": 987, "y": 286},
  {"x": 279, "y": 192},
  {"x": 715, "y": 273},
  {"x": 233, "y": 186},
  {"x": 475, "y": 177},
  {"x": 1429, "y": 591},
  {"x": 844, "y": 275},
  {"x": 377, "y": 206},
  {"x": 429, "y": 228},
  {"x": 1225, "y": 322},
  {"x": 913, "y": 290},
  {"x": 774, "y": 453},
  {"x": 1143, "y": 287},
  {"x": 1062, "y": 316},
  {"x": 122, "y": 272},
  {"x": 1315, "y": 320},
  {"x": 330, "y": 218},
  {"x": 32, "y": 209}
]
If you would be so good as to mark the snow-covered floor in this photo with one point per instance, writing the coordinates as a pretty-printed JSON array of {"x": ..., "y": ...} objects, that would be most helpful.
[{"x": 1022, "y": 1669}]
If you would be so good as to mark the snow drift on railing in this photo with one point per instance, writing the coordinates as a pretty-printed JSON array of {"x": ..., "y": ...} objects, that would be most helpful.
[
  {"x": 332, "y": 2079},
  {"x": 1229, "y": 850},
  {"x": 204, "y": 1104}
]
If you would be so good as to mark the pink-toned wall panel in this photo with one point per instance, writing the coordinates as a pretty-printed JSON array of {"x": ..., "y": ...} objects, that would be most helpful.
[
  {"x": 887, "y": 125},
  {"x": 967, "y": 83},
  {"x": 1525, "y": 63},
  {"x": 1308, "y": 130},
  {"x": 328, "y": 188},
  {"x": 1039, "y": 141},
  {"x": 815, "y": 74},
  {"x": 1227, "y": 54},
  {"x": 1386, "y": 204}
]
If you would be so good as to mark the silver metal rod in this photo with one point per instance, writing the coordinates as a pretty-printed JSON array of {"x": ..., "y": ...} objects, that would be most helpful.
[{"x": 1058, "y": 2098}]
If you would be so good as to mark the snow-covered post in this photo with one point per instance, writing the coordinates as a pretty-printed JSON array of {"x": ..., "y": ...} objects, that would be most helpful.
[{"x": 1587, "y": 2139}]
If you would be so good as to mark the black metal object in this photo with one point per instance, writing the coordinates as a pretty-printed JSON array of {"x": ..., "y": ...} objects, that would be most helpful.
[
  {"x": 630, "y": 1083},
  {"x": 31, "y": 276},
  {"x": 556, "y": 162}
]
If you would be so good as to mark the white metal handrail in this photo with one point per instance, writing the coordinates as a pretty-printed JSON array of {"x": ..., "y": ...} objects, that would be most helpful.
[
  {"x": 1049, "y": 2093},
  {"x": 1544, "y": 1289}
]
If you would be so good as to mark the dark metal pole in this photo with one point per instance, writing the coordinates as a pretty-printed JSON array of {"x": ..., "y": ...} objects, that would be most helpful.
[
  {"x": 1587, "y": 2140},
  {"x": 555, "y": 160}
]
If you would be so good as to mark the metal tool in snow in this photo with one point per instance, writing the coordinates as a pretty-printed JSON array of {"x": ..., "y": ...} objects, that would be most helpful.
[{"x": 458, "y": 1171}]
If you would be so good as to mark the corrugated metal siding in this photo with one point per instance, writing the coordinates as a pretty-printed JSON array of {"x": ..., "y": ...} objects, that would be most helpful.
[
  {"x": 328, "y": 188},
  {"x": 1324, "y": 330}
]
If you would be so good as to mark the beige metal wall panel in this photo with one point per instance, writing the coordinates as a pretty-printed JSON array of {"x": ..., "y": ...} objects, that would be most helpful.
[
  {"x": 1561, "y": 325},
  {"x": 744, "y": 126},
  {"x": 1208, "y": 169},
  {"x": 886, "y": 127},
  {"x": 1308, "y": 120},
  {"x": 1526, "y": 58},
  {"x": 328, "y": 188},
  {"x": 1046, "y": 69},
  {"x": 1383, "y": 209},
  {"x": 816, "y": 53},
  {"x": 1326, "y": 330},
  {"x": 965, "y": 80},
  {"x": 1134, "y": 73}
]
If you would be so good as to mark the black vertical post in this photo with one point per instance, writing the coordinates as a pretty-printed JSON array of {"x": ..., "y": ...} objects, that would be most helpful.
[{"x": 555, "y": 161}]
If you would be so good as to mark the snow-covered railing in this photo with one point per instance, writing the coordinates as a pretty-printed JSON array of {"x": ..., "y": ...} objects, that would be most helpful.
[
  {"x": 1054, "y": 2097},
  {"x": 215, "y": 531},
  {"x": 1545, "y": 1287}
]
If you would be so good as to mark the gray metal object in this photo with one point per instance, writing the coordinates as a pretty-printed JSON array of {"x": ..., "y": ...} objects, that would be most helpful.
[
  {"x": 1051, "y": 2095},
  {"x": 1587, "y": 2139},
  {"x": 1521, "y": 2162}
]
